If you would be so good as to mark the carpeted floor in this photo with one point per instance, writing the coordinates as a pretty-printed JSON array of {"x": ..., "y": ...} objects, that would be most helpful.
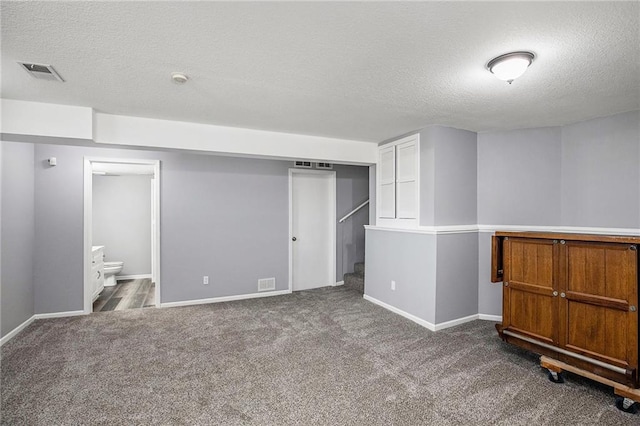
[{"x": 319, "y": 357}]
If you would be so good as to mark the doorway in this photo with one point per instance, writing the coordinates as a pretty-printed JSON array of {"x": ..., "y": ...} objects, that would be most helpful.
[
  {"x": 120, "y": 178},
  {"x": 312, "y": 229}
]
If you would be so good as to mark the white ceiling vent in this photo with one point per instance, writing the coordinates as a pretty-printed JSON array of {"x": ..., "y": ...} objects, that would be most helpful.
[
  {"x": 303, "y": 164},
  {"x": 324, "y": 166},
  {"x": 41, "y": 72}
]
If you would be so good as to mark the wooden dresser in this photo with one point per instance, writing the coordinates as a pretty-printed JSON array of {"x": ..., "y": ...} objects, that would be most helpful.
[{"x": 572, "y": 298}]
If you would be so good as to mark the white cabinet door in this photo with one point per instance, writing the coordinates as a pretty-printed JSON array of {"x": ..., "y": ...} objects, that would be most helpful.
[
  {"x": 388, "y": 182},
  {"x": 406, "y": 188}
]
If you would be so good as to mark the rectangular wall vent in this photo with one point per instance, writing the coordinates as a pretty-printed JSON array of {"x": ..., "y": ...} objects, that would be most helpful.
[
  {"x": 303, "y": 164},
  {"x": 266, "y": 284},
  {"x": 41, "y": 72},
  {"x": 324, "y": 166}
]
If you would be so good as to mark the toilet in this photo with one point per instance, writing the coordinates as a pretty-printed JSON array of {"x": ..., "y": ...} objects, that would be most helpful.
[{"x": 111, "y": 269}]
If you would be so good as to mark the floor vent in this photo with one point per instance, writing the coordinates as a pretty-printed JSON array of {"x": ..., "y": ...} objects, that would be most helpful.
[
  {"x": 41, "y": 72},
  {"x": 324, "y": 166},
  {"x": 266, "y": 284},
  {"x": 303, "y": 164}
]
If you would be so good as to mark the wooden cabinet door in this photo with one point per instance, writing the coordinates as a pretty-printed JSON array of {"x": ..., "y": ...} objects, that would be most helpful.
[
  {"x": 530, "y": 275},
  {"x": 599, "y": 297}
]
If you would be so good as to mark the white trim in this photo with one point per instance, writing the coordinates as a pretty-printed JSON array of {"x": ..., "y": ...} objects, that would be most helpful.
[
  {"x": 333, "y": 218},
  {"x": 10, "y": 335},
  {"x": 567, "y": 229},
  {"x": 224, "y": 299},
  {"x": 466, "y": 229},
  {"x": 486, "y": 317},
  {"x": 88, "y": 223},
  {"x": 400, "y": 312},
  {"x": 59, "y": 314},
  {"x": 431, "y": 230},
  {"x": 457, "y": 321},
  {"x": 339, "y": 283},
  {"x": 132, "y": 277},
  {"x": 420, "y": 321}
]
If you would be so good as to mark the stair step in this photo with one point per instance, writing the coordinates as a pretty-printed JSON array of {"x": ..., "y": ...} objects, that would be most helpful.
[
  {"x": 354, "y": 281},
  {"x": 359, "y": 268}
]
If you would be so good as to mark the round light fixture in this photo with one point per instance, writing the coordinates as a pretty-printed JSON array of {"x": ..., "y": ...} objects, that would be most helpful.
[
  {"x": 510, "y": 66},
  {"x": 179, "y": 78}
]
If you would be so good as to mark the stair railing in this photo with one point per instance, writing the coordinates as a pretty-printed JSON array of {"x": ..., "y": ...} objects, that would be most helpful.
[
  {"x": 347, "y": 216},
  {"x": 354, "y": 211}
]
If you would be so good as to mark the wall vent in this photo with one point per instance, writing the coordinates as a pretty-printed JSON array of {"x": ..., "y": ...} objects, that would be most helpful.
[
  {"x": 41, "y": 72},
  {"x": 324, "y": 166},
  {"x": 303, "y": 164},
  {"x": 266, "y": 284}
]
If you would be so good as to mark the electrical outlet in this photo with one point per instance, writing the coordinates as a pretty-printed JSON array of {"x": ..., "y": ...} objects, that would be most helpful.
[
  {"x": 393, "y": 285},
  {"x": 205, "y": 280}
]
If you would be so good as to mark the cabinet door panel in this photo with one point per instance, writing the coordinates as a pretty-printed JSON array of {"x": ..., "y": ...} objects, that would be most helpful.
[
  {"x": 596, "y": 332},
  {"x": 528, "y": 296},
  {"x": 601, "y": 286}
]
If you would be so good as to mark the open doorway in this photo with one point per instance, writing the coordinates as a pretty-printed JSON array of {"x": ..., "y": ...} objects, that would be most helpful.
[{"x": 121, "y": 231}]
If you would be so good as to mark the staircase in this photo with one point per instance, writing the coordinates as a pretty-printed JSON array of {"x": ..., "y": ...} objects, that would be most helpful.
[{"x": 355, "y": 280}]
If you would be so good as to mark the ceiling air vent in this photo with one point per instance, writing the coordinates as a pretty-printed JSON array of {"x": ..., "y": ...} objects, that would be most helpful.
[
  {"x": 324, "y": 166},
  {"x": 303, "y": 164},
  {"x": 41, "y": 72}
]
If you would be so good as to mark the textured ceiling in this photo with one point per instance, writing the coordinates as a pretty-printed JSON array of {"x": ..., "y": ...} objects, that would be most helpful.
[{"x": 364, "y": 71}]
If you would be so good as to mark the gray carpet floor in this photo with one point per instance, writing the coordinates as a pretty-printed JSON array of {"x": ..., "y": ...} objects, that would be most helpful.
[{"x": 319, "y": 357}]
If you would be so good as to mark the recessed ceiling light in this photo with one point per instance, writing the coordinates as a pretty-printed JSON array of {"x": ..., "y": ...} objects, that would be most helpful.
[
  {"x": 179, "y": 77},
  {"x": 511, "y": 65}
]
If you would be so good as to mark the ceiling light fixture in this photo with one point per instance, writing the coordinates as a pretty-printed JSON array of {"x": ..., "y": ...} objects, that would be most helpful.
[
  {"x": 179, "y": 78},
  {"x": 510, "y": 66}
]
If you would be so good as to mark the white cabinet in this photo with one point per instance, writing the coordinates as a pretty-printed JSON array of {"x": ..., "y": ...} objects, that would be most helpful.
[
  {"x": 97, "y": 271},
  {"x": 398, "y": 183}
]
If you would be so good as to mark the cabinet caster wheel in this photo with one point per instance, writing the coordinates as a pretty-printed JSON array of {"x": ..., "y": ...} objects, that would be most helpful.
[
  {"x": 555, "y": 377},
  {"x": 627, "y": 405}
]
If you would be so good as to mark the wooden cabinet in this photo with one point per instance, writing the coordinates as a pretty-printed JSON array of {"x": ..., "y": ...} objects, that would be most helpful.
[{"x": 572, "y": 298}]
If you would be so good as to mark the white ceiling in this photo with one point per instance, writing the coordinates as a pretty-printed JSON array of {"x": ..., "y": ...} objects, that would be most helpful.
[{"x": 364, "y": 71}]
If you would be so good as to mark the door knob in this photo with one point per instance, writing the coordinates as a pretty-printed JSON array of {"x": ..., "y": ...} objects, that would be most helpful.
[{"x": 293, "y": 239}]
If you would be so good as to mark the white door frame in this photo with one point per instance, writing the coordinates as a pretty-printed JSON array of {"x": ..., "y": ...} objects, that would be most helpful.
[
  {"x": 332, "y": 265},
  {"x": 88, "y": 223}
]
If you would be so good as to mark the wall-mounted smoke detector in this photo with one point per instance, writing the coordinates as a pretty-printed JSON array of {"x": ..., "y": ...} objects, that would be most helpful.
[{"x": 41, "y": 72}]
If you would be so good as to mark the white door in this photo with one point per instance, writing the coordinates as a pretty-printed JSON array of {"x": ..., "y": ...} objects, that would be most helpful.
[{"x": 313, "y": 221}]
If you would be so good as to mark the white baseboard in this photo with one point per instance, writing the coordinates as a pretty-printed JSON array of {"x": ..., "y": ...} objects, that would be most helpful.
[
  {"x": 427, "y": 324},
  {"x": 454, "y": 322},
  {"x": 485, "y": 317},
  {"x": 25, "y": 324},
  {"x": 16, "y": 330},
  {"x": 340, "y": 283},
  {"x": 400, "y": 312},
  {"x": 132, "y": 277},
  {"x": 224, "y": 299},
  {"x": 59, "y": 314}
]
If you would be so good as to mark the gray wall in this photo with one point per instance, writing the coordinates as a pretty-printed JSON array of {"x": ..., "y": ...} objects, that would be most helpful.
[
  {"x": 456, "y": 276},
  {"x": 410, "y": 260},
  {"x": 352, "y": 189},
  {"x": 122, "y": 220},
  {"x": 220, "y": 216},
  {"x": 585, "y": 174},
  {"x": 17, "y": 235},
  {"x": 601, "y": 172},
  {"x": 519, "y": 177}
]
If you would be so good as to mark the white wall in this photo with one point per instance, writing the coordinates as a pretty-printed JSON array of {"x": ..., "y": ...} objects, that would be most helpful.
[{"x": 122, "y": 220}]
